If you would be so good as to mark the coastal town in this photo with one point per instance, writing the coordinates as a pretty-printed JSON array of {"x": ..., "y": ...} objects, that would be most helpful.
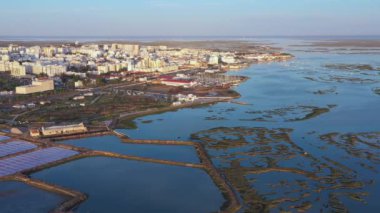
[
  {"x": 59, "y": 92},
  {"x": 74, "y": 84},
  {"x": 203, "y": 106}
]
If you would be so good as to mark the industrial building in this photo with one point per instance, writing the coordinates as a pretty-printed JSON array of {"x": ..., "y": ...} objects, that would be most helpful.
[
  {"x": 36, "y": 86},
  {"x": 63, "y": 130},
  {"x": 171, "y": 81}
]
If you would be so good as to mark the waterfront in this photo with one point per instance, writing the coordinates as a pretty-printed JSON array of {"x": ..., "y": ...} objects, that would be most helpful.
[
  {"x": 305, "y": 138},
  {"x": 204, "y": 106},
  {"x": 287, "y": 95}
]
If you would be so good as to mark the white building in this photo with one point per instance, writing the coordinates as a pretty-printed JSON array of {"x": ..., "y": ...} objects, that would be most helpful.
[
  {"x": 213, "y": 60},
  {"x": 228, "y": 59},
  {"x": 54, "y": 70},
  {"x": 36, "y": 86},
  {"x": 63, "y": 130},
  {"x": 78, "y": 84},
  {"x": 14, "y": 67},
  {"x": 186, "y": 98},
  {"x": 34, "y": 51}
]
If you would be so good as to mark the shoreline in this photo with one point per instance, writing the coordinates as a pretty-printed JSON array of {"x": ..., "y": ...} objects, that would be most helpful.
[
  {"x": 232, "y": 201},
  {"x": 131, "y": 116},
  {"x": 75, "y": 198}
]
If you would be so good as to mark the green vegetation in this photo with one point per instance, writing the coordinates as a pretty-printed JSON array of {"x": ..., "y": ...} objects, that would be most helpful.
[
  {"x": 352, "y": 67},
  {"x": 248, "y": 156},
  {"x": 376, "y": 91},
  {"x": 107, "y": 107},
  {"x": 288, "y": 114},
  {"x": 314, "y": 113},
  {"x": 9, "y": 83}
]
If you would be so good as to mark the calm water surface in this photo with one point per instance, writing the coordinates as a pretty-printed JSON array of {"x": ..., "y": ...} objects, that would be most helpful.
[
  {"x": 281, "y": 95},
  {"x": 114, "y": 144},
  {"x": 278, "y": 95},
  {"x": 118, "y": 185},
  {"x": 18, "y": 197}
]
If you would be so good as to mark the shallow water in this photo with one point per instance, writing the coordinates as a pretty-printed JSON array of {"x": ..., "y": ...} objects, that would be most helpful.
[
  {"x": 117, "y": 185},
  {"x": 280, "y": 95},
  {"x": 114, "y": 144},
  {"x": 18, "y": 197}
]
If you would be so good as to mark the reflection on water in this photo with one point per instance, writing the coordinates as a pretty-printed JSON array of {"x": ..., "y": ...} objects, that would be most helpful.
[
  {"x": 114, "y": 144},
  {"x": 268, "y": 163},
  {"x": 18, "y": 197},
  {"x": 308, "y": 138},
  {"x": 116, "y": 185}
]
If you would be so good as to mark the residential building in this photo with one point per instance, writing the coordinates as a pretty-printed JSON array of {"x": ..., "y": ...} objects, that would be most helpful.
[{"x": 213, "y": 60}]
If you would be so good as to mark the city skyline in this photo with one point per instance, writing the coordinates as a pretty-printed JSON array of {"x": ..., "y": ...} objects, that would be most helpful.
[{"x": 183, "y": 18}]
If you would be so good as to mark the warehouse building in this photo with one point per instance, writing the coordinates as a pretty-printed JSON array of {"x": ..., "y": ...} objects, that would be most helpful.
[
  {"x": 64, "y": 130},
  {"x": 36, "y": 86}
]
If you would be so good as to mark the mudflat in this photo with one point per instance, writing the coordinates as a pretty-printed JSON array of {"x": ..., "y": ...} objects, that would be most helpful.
[{"x": 345, "y": 43}]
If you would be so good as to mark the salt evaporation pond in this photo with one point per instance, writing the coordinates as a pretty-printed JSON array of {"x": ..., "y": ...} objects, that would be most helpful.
[
  {"x": 317, "y": 124},
  {"x": 115, "y": 185},
  {"x": 18, "y": 197},
  {"x": 114, "y": 144}
]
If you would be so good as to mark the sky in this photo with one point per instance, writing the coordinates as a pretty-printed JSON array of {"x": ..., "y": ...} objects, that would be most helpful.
[{"x": 189, "y": 17}]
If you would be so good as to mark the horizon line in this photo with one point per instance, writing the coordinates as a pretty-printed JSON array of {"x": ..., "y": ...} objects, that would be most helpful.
[{"x": 95, "y": 36}]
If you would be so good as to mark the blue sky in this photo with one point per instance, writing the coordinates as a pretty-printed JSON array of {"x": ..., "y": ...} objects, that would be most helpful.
[{"x": 188, "y": 17}]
